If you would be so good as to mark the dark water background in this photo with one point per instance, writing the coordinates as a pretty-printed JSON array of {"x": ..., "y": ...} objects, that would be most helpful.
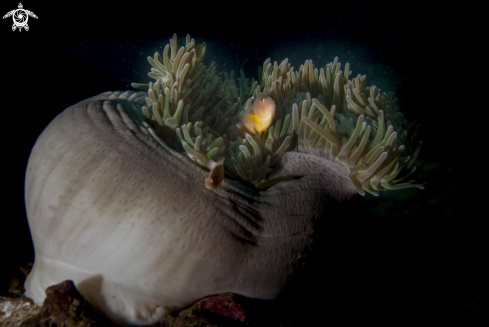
[{"x": 403, "y": 256}]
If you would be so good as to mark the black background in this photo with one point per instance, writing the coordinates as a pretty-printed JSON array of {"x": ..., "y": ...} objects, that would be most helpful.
[{"x": 388, "y": 259}]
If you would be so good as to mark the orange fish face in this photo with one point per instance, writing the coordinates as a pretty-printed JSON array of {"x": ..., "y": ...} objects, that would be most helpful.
[
  {"x": 215, "y": 177},
  {"x": 264, "y": 106}
]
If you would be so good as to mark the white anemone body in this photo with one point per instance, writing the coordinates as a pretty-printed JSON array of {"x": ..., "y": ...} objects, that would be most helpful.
[{"x": 129, "y": 220}]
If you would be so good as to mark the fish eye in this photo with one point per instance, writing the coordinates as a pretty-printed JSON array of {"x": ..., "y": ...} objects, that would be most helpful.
[{"x": 262, "y": 99}]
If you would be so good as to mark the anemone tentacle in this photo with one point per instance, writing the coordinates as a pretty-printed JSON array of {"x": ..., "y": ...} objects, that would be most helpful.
[{"x": 363, "y": 129}]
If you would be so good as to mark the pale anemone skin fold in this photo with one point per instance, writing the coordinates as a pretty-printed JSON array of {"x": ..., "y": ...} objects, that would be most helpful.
[{"x": 123, "y": 211}]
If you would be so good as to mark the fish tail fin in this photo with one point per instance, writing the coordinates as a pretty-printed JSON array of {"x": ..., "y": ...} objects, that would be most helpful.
[{"x": 235, "y": 131}]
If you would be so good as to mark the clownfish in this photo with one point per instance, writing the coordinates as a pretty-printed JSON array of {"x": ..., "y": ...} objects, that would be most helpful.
[
  {"x": 256, "y": 119},
  {"x": 215, "y": 177}
]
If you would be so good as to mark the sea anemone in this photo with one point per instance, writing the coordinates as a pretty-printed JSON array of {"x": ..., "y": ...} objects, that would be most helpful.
[
  {"x": 363, "y": 130},
  {"x": 147, "y": 203}
]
